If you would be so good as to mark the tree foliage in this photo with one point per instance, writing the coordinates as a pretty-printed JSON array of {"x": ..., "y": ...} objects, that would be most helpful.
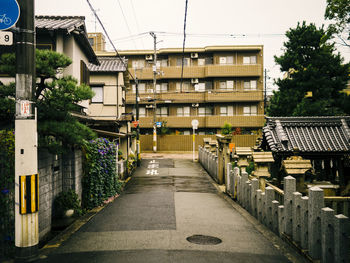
[
  {"x": 313, "y": 66},
  {"x": 339, "y": 11},
  {"x": 55, "y": 97}
]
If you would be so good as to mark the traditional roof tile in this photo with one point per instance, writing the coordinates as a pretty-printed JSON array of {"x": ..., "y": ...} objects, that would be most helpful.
[
  {"x": 109, "y": 64},
  {"x": 307, "y": 134},
  {"x": 69, "y": 25}
]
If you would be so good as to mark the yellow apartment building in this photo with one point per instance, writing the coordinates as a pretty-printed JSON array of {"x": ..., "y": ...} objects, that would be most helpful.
[{"x": 220, "y": 84}]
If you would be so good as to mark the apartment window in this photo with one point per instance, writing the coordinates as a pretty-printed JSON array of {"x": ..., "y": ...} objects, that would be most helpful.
[
  {"x": 208, "y": 85},
  {"x": 162, "y": 63},
  {"x": 98, "y": 98},
  {"x": 187, "y": 132},
  {"x": 162, "y": 112},
  {"x": 208, "y": 61},
  {"x": 163, "y": 87},
  {"x": 138, "y": 63},
  {"x": 185, "y": 86},
  {"x": 251, "y": 110},
  {"x": 179, "y": 62},
  {"x": 142, "y": 111},
  {"x": 141, "y": 87},
  {"x": 249, "y": 60},
  {"x": 205, "y": 111},
  {"x": 226, "y": 60},
  {"x": 200, "y": 87},
  {"x": 183, "y": 111},
  {"x": 226, "y": 111},
  {"x": 201, "y": 62},
  {"x": 226, "y": 85},
  {"x": 250, "y": 85}
]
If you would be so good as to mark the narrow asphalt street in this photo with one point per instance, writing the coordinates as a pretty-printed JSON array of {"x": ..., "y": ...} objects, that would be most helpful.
[{"x": 167, "y": 201}]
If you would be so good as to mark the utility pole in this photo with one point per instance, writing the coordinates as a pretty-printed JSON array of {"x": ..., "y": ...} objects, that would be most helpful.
[
  {"x": 26, "y": 157},
  {"x": 154, "y": 92},
  {"x": 137, "y": 119},
  {"x": 265, "y": 91}
]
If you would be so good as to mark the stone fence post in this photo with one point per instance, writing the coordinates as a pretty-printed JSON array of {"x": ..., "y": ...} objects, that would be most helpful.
[
  {"x": 289, "y": 189},
  {"x": 341, "y": 242},
  {"x": 327, "y": 238},
  {"x": 316, "y": 203},
  {"x": 296, "y": 217},
  {"x": 253, "y": 197}
]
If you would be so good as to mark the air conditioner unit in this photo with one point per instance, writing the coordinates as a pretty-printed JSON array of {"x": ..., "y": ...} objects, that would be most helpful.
[
  {"x": 149, "y": 57},
  {"x": 194, "y": 55},
  {"x": 194, "y": 81},
  {"x": 149, "y": 90}
]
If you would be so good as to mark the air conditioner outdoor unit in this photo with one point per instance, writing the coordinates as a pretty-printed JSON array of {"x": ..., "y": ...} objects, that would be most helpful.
[
  {"x": 194, "y": 55},
  {"x": 149, "y": 57},
  {"x": 194, "y": 81}
]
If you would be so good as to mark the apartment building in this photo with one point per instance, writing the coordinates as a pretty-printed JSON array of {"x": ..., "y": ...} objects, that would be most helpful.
[{"x": 220, "y": 84}]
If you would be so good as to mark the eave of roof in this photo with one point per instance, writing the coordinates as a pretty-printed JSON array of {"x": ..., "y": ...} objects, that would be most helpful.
[{"x": 74, "y": 25}]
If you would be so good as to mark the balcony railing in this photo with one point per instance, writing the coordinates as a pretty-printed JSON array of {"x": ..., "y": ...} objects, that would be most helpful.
[
  {"x": 200, "y": 71},
  {"x": 214, "y": 121},
  {"x": 199, "y": 97}
]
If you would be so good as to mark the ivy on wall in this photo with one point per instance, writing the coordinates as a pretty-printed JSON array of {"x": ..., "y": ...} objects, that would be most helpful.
[{"x": 100, "y": 180}]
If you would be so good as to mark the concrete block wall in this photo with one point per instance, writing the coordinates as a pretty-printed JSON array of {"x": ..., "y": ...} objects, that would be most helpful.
[{"x": 57, "y": 173}]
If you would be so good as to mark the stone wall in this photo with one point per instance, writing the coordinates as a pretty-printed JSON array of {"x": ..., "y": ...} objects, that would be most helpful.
[{"x": 57, "y": 173}]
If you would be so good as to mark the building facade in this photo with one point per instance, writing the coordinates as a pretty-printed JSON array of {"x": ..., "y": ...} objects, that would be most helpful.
[{"x": 220, "y": 84}]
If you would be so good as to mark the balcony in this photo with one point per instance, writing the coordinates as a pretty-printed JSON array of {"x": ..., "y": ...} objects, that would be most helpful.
[
  {"x": 205, "y": 121},
  {"x": 233, "y": 70},
  {"x": 234, "y": 96},
  {"x": 199, "y": 97},
  {"x": 200, "y": 71}
]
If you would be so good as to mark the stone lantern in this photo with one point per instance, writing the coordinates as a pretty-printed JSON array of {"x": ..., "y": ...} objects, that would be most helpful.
[
  {"x": 261, "y": 167},
  {"x": 296, "y": 166},
  {"x": 243, "y": 154}
]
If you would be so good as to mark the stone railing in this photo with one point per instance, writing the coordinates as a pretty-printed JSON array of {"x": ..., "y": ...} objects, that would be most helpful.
[
  {"x": 303, "y": 220},
  {"x": 209, "y": 161}
]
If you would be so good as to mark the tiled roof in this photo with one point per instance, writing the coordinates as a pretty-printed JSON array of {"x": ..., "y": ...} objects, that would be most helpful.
[
  {"x": 109, "y": 64},
  {"x": 74, "y": 25},
  {"x": 67, "y": 23},
  {"x": 307, "y": 134}
]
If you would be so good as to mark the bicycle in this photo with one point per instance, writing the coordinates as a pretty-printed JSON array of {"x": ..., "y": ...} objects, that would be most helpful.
[{"x": 4, "y": 19}]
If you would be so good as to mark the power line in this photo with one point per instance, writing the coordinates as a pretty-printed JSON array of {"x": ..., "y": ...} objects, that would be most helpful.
[
  {"x": 126, "y": 22},
  {"x": 137, "y": 23},
  {"x": 183, "y": 46},
  {"x": 110, "y": 41}
]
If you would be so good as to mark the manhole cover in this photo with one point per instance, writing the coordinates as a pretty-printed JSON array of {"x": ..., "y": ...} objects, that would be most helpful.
[{"x": 204, "y": 240}]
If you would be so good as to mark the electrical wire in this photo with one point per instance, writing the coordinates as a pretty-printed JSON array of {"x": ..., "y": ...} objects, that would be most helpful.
[
  {"x": 110, "y": 41},
  {"x": 183, "y": 47},
  {"x": 126, "y": 22},
  {"x": 137, "y": 23}
]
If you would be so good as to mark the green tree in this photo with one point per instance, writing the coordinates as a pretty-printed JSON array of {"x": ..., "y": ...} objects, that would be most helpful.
[
  {"x": 55, "y": 98},
  {"x": 339, "y": 11},
  {"x": 226, "y": 129},
  {"x": 313, "y": 66}
]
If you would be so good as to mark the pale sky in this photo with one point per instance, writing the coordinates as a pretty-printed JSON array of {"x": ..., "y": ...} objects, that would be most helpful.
[{"x": 220, "y": 22}]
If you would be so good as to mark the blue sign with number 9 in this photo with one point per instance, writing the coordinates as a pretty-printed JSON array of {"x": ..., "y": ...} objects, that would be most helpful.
[{"x": 9, "y": 13}]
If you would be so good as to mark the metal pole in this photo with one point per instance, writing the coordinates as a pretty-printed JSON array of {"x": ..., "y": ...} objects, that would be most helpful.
[
  {"x": 194, "y": 143},
  {"x": 154, "y": 92},
  {"x": 138, "y": 125},
  {"x": 265, "y": 91},
  {"x": 26, "y": 157}
]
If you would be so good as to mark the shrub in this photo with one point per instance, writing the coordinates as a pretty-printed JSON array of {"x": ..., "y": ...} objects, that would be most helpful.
[
  {"x": 226, "y": 129},
  {"x": 65, "y": 201}
]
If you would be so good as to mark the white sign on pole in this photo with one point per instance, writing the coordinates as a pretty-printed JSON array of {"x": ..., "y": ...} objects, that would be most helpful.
[
  {"x": 195, "y": 124},
  {"x": 25, "y": 108},
  {"x": 6, "y": 38}
]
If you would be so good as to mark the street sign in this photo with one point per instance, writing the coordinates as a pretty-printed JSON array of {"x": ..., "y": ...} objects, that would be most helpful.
[
  {"x": 136, "y": 123},
  {"x": 159, "y": 124},
  {"x": 9, "y": 13},
  {"x": 195, "y": 124},
  {"x": 6, "y": 38}
]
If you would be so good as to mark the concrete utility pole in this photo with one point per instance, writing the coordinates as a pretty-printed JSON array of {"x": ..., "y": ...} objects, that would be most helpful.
[
  {"x": 154, "y": 92},
  {"x": 26, "y": 157},
  {"x": 138, "y": 123}
]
